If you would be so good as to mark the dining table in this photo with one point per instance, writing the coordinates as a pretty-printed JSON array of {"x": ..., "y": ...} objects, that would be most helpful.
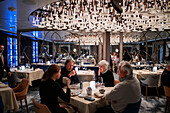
[
  {"x": 8, "y": 98},
  {"x": 30, "y": 74},
  {"x": 86, "y": 106},
  {"x": 143, "y": 74}
]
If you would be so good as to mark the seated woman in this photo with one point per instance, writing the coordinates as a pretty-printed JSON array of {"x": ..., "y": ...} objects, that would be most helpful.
[
  {"x": 69, "y": 72},
  {"x": 50, "y": 90},
  {"x": 105, "y": 73}
]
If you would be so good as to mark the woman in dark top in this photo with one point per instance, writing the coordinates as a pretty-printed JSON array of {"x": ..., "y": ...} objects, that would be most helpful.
[
  {"x": 67, "y": 71},
  {"x": 105, "y": 73},
  {"x": 50, "y": 90},
  {"x": 165, "y": 77}
]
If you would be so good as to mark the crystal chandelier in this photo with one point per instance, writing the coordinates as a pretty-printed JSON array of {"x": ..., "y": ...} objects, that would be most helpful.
[{"x": 100, "y": 16}]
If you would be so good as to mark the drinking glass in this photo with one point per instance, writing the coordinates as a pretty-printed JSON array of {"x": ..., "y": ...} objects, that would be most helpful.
[
  {"x": 102, "y": 85},
  {"x": 100, "y": 79},
  {"x": 52, "y": 61}
]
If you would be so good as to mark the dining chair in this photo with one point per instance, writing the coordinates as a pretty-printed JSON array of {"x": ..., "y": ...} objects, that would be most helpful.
[
  {"x": 21, "y": 92},
  {"x": 40, "y": 108},
  {"x": 167, "y": 94},
  {"x": 116, "y": 82},
  {"x": 133, "y": 107},
  {"x": 151, "y": 81}
]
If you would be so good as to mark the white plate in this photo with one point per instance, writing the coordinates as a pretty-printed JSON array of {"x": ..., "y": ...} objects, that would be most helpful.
[
  {"x": 75, "y": 92},
  {"x": 75, "y": 86},
  {"x": 82, "y": 95}
]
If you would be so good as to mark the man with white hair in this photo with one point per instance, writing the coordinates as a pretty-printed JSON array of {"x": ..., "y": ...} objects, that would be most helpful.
[
  {"x": 165, "y": 77},
  {"x": 105, "y": 73},
  {"x": 126, "y": 92}
]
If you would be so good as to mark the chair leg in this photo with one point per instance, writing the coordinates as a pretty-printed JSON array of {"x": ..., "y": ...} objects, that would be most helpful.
[
  {"x": 166, "y": 106},
  {"x": 26, "y": 104},
  {"x": 21, "y": 105},
  {"x": 146, "y": 92},
  {"x": 157, "y": 88}
]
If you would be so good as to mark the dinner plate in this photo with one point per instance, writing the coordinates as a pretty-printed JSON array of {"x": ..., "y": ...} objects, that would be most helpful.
[
  {"x": 74, "y": 86},
  {"x": 82, "y": 95},
  {"x": 75, "y": 92}
]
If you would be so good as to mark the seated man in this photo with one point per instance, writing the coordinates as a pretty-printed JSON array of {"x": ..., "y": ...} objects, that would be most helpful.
[
  {"x": 126, "y": 92},
  {"x": 67, "y": 71},
  {"x": 165, "y": 77}
]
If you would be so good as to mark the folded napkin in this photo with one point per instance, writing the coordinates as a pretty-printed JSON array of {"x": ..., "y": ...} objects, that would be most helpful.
[{"x": 98, "y": 95}]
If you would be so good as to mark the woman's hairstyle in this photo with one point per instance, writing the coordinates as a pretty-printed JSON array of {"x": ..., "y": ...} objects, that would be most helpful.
[
  {"x": 125, "y": 66},
  {"x": 52, "y": 69},
  {"x": 67, "y": 61},
  {"x": 105, "y": 64}
]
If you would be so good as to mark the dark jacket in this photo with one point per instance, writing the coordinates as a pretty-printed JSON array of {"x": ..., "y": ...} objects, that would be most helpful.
[
  {"x": 108, "y": 78},
  {"x": 64, "y": 73},
  {"x": 2, "y": 67},
  {"x": 165, "y": 78},
  {"x": 49, "y": 92}
]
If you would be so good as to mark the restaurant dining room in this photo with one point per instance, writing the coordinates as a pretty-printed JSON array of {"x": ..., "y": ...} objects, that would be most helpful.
[{"x": 85, "y": 56}]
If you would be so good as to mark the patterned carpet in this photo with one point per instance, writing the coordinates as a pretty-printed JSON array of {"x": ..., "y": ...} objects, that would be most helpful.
[{"x": 152, "y": 105}]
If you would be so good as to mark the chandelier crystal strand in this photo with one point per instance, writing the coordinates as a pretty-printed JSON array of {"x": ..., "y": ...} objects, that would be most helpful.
[{"x": 100, "y": 16}]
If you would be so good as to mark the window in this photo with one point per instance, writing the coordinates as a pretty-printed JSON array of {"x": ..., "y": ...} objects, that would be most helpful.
[
  {"x": 12, "y": 52},
  {"x": 35, "y": 51}
]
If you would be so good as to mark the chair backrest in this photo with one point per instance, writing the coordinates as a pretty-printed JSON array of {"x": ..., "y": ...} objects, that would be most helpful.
[
  {"x": 167, "y": 91},
  {"x": 116, "y": 82},
  {"x": 133, "y": 108},
  {"x": 40, "y": 108},
  {"x": 152, "y": 80},
  {"x": 22, "y": 87}
]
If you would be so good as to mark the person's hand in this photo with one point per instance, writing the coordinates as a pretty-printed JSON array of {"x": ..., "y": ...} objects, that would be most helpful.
[
  {"x": 99, "y": 72},
  {"x": 104, "y": 97},
  {"x": 72, "y": 73},
  {"x": 68, "y": 82},
  {"x": 9, "y": 73},
  {"x": 64, "y": 106}
]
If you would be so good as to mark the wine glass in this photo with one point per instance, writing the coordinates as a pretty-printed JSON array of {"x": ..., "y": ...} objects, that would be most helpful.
[{"x": 100, "y": 79}]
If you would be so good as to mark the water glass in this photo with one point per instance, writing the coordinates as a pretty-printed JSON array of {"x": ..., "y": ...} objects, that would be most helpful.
[
  {"x": 102, "y": 85},
  {"x": 52, "y": 61},
  {"x": 100, "y": 79}
]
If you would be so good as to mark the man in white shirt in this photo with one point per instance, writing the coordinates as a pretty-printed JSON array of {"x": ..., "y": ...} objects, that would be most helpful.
[{"x": 126, "y": 92}]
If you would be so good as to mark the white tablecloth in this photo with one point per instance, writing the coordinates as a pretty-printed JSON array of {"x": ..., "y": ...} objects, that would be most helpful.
[
  {"x": 85, "y": 75},
  {"x": 143, "y": 74},
  {"x": 8, "y": 98},
  {"x": 85, "y": 106},
  {"x": 29, "y": 74}
]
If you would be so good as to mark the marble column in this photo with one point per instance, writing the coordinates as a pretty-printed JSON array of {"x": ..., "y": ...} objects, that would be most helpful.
[
  {"x": 100, "y": 51},
  {"x": 106, "y": 46},
  {"x": 121, "y": 47}
]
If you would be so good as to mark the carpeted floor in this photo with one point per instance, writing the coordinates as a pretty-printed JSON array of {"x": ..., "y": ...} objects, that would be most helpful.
[{"x": 152, "y": 105}]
